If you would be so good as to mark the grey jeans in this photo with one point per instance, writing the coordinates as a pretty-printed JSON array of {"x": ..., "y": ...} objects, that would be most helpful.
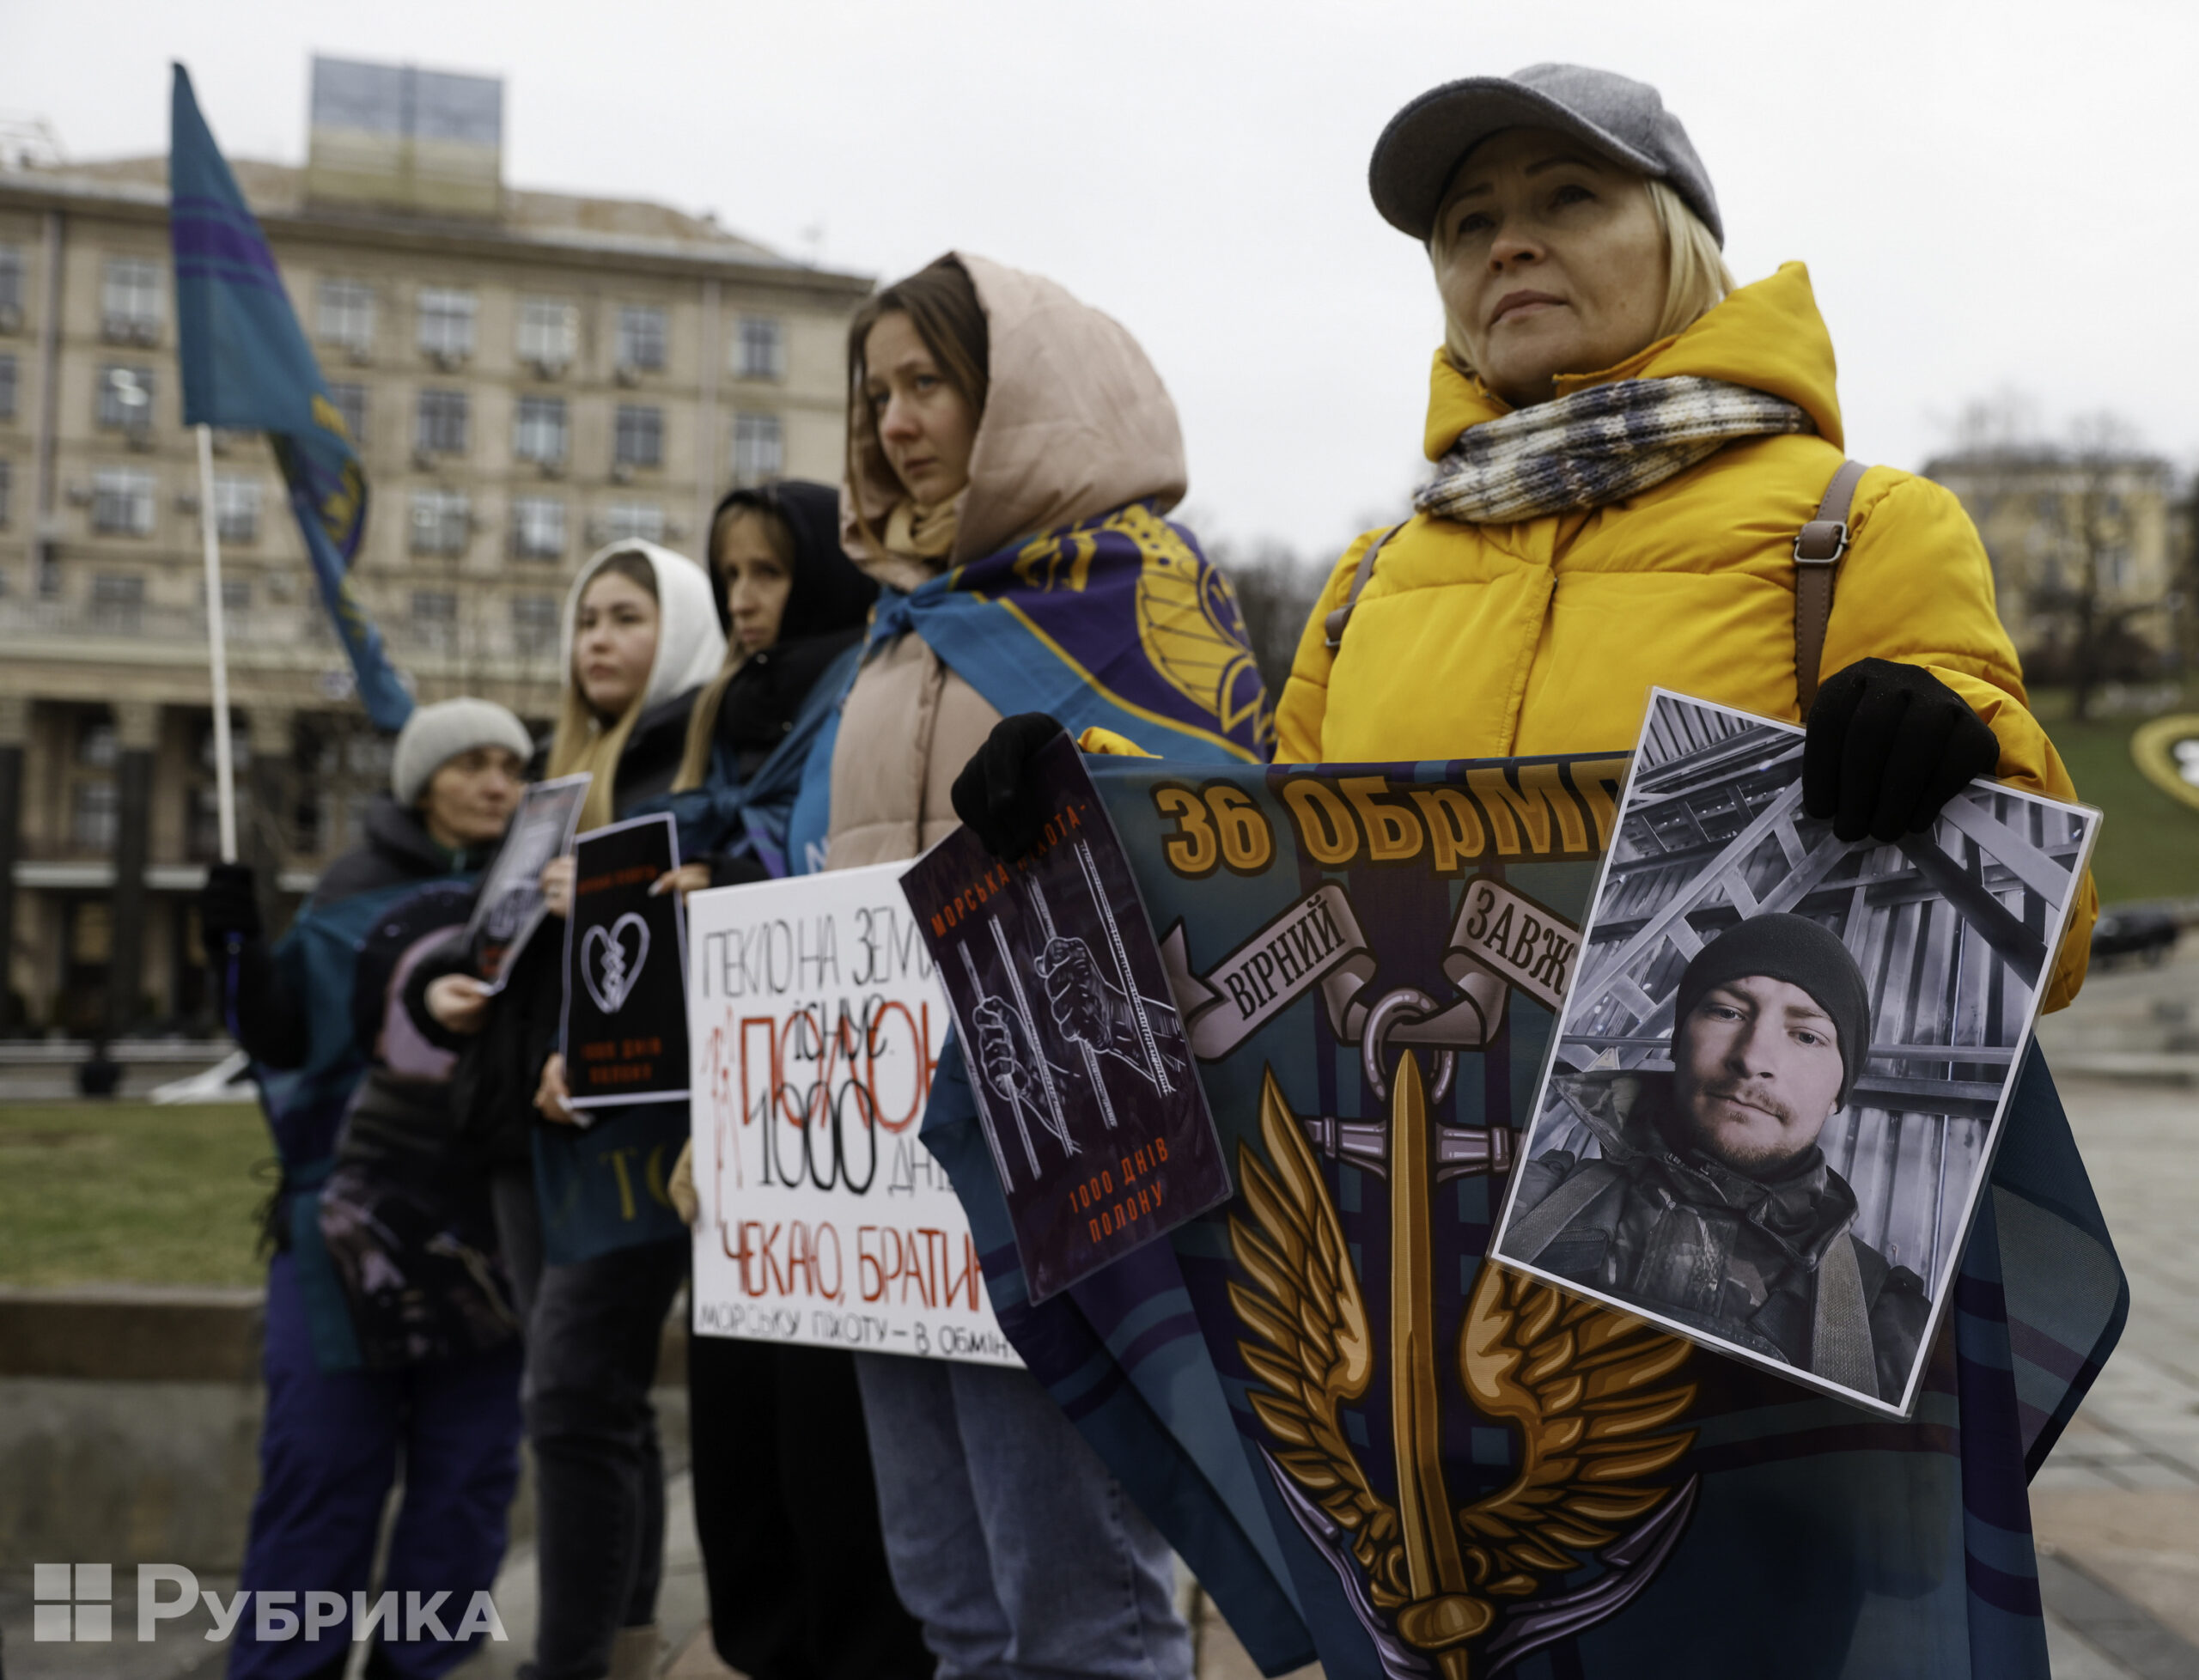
[{"x": 1007, "y": 1537}]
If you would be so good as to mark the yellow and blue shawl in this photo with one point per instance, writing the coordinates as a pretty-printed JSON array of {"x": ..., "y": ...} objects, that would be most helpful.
[{"x": 1120, "y": 623}]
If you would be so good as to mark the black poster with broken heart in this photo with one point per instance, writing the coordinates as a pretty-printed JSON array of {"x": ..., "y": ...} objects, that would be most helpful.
[{"x": 625, "y": 1026}]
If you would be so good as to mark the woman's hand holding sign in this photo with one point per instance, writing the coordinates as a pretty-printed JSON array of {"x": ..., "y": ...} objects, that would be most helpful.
[
  {"x": 686, "y": 879},
  {"x": 553, "y": 1098},
  {"x": 557, "y": 886},
  {"x": 459, "y": 1002}
]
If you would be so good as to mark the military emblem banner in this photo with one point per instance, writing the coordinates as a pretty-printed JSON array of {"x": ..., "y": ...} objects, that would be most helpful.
[{"x": 1374, "y": 1447}]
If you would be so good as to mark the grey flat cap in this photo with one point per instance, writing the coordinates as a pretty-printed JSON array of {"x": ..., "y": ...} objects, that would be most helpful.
[{"x": 1623, "y": 119}]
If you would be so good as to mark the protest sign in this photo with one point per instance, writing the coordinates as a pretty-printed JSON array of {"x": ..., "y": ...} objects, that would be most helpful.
[
  {"x": 1366, "y": 1439},
  {"x": 510, "y": 907},
  {"x": 625, "y": 1021},
  {"x": 816, "y": 1024},
  {"x": 1804, "y": 1045},
  {"x": 1079, "y": 1062}
]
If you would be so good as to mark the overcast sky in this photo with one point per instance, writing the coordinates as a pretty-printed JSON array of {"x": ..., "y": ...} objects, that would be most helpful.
[{"x": 1990, "y": 197}]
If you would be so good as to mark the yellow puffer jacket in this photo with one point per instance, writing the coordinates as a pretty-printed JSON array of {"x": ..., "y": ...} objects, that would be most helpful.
[{"x": 1494, "y": 640}]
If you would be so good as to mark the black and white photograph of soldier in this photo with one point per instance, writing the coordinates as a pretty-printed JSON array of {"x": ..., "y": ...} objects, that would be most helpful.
[{"x": 1772, "y": 1099}]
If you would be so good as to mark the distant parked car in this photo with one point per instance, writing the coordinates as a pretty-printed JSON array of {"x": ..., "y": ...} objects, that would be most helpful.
[{"x": 2149, "y": 934}]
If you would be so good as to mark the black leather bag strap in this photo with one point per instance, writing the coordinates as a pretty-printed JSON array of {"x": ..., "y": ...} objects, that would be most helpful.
[
  {"x": 1818, "y": 548},
  {"x": 1336, "y": 620}
]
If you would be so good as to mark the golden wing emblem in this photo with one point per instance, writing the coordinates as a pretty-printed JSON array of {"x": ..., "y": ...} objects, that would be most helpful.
[
  {"x": 1185, "y": 620},
  {"x": 1585, "y": 1386},
  {"x": 1315, "y": 1350}
]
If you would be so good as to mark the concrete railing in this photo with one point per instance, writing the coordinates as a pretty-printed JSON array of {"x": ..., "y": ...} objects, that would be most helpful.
[{"x": 130, "y": 1423}]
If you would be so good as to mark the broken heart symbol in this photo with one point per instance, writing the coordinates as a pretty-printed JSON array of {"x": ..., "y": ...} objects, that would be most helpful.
[{"x": 608, "y": 968}]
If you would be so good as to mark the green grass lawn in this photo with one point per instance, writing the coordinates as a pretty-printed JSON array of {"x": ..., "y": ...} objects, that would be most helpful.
[
  {"x": 2149, "y": 845},
  {"x": 125, "y": 1192}
]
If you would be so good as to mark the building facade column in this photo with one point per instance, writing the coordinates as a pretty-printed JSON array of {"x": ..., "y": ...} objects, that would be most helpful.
[
  {"x": 137, "y": 739},
  {"x": 14, "y": 735}
]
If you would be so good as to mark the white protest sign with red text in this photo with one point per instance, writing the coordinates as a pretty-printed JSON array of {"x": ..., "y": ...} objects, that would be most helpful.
[{"x": 815, "y": 1022}]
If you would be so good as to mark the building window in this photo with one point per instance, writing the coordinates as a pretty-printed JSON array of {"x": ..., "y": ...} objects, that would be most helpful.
[
  {"x": 639, "y": 439},
  {"x": 347, "y": 315},
  {"x": 97, "y": 744},
  {"x": 762, "y": 348},
  {"x": 537, "y": 528},
  {"x": 539, "y": 434},
  {"x": 441, "y": 424},
  {"x": 350, "y": 401},
  {"x": 125, "y": 399},
  {"x": 545, "y": 331},
  {"x": 122, "y": 501},
  {"x": 641, "y": 337},
  {"x": 435, "y": 618},
  {"x": 236, "y": 510},
  {"x": 7, "y": 492},
  {"x": 628, "y": 522},
  {"x": 7, "y": 388},
  {"x": 117, "y": 601},
  {"x": 236, "y": 597},
  {"x": 534, "y": 624},
  {"x": 11, "y": 281},
  {"x": 442, "y": 521},
  {"x": 130, "y": 301},
  {"x": 446, "y": 323},
  {"x": 93, "y": 818},
  {"x": 759, "y": 448}
]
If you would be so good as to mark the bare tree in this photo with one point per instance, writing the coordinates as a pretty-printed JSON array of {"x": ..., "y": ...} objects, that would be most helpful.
[
  {"x": 1276, "y": 589},
  {"x": 2062, "y": 522},
  {"x": 2105, "y": 466}
]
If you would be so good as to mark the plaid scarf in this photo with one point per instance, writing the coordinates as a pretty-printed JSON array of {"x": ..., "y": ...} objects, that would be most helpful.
[{"x": 1596, "y": 447}]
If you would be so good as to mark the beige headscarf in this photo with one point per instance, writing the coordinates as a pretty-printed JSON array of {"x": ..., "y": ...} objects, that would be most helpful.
[
  {"x": 921, "y": 530},
  {"x": 1076, "y": 424}
]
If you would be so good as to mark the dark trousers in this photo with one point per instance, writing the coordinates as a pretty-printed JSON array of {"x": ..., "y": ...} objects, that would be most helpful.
[
  {"x": 518, "y": 1230},
  {"x": 599, "y": 1474},
  {"x": 788, "y": 1516},
  {"x": 331, "y": 1448}
]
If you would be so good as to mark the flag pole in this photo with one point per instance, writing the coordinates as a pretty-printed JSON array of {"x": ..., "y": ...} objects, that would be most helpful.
[{"x": 225, "y": 786}]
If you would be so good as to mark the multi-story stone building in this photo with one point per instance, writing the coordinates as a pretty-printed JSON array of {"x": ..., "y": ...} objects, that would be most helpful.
[
  {"x": 529, "y": 375},
  {"x": 2087, "y": 549}
]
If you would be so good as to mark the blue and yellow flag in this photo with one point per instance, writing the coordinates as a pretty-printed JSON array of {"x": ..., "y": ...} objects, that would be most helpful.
[{"x": 247, "y": 367}]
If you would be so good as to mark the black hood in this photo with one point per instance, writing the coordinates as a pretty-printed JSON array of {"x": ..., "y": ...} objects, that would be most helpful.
[{"x": 829, "y": 591}]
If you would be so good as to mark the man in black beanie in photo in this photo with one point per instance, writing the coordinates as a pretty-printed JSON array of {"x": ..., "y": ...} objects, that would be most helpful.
[{"x": 1711, "y": 1203}]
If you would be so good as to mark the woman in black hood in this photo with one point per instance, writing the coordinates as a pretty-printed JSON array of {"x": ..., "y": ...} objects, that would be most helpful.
[
  {"x": 784, "y": 1504},
  {"x": 793, "y": 606}
]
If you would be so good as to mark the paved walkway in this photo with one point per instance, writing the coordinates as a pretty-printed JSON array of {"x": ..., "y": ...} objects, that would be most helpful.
[{"x": 2116, "y": 1508}]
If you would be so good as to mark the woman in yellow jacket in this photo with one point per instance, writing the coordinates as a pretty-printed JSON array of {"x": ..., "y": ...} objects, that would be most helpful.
[{"x": 1626, "y": 446}]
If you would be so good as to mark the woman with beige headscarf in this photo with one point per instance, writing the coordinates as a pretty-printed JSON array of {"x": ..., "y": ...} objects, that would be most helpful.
[{"x": 1002, "y": 435}]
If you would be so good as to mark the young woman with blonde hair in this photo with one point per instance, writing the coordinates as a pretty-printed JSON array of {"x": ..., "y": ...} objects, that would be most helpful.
[{"x": 642, "y": 638}]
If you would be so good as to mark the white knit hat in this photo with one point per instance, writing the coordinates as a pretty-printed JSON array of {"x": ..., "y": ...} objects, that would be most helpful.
[{"x": 434, "y": 735}]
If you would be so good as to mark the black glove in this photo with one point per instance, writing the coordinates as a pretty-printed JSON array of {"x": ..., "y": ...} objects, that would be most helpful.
[
  {"x": 227, "y": 904},
  {"x": 1888, "y": 745},
  {"x": 996, "y": 795}
]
